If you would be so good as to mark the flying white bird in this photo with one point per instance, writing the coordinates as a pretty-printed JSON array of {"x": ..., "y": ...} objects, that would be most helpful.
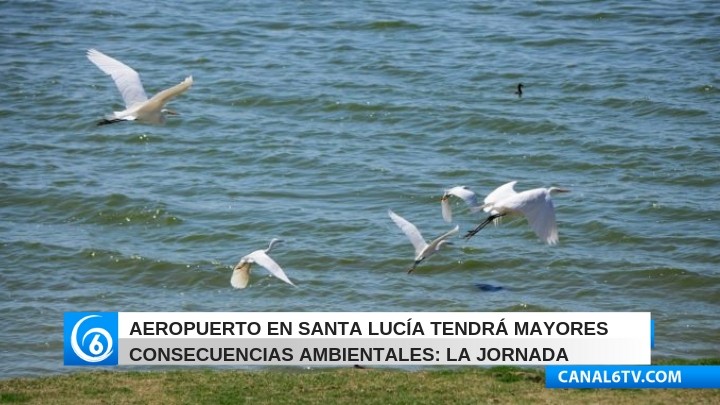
[
  {"x": 137, "y": 105},
  {"x": 423, "y": 250},
  {"x": 536, "y": 205},
  {"x": 462, "y": 192},
  {"x": 241, "y": 272}
]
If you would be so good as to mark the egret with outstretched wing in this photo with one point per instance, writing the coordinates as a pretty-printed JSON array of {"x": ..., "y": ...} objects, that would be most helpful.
[
  {"x": 241, "y": 273},
  {"x": 137, "y": 106},
  {"x": 423, "y": 250},
  {"x": 536, "y": 205},
  {"x": 461, "y": 192}
]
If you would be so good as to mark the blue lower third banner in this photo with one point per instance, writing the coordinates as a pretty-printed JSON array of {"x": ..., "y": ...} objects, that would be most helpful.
[{"x": 632, "y": 377}]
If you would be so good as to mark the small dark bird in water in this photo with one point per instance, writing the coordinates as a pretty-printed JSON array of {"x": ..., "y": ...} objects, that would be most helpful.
[
  {"x": 489, "y": 287},
  {"x": 519, "y": 90}
]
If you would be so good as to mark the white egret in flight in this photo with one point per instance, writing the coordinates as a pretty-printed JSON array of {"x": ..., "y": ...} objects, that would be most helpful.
[
  {"x": 423, "y": 250},
  {"x": 536, "y": 205},
  {"x": 462, "y": 192},
  {"x": 241, "y": 272},
  {"x": 137, "y": 105}
]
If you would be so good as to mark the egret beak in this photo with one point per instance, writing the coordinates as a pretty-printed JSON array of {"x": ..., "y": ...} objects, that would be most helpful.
[{"x": 170, "y": 112}]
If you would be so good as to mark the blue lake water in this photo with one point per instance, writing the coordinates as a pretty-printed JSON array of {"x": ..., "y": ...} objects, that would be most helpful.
[{"x": 309, "y": 120}]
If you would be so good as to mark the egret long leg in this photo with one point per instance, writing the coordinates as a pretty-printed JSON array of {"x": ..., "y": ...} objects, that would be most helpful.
[
  {"x": 482, "y": 225},
  {"x": 415, "y": 264}
]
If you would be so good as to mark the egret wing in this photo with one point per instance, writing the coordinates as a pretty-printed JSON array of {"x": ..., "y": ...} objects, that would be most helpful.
[
  {"x": 261, "y": 258},
  {"x": 465, "y": 194},
  {"x": 540, "y": 213},
  {"x": 445, "y": 236},
  {"x": 126, "y": 78},
  {"x": 410, "y": 231},
  {"x": 160, "y": 99},
  {"x": 503, "y": 192},
  {"x": 446, "y": 209}
]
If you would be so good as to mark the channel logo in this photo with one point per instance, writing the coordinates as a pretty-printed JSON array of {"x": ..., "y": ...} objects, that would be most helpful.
[{"x": 91, "y": 339}]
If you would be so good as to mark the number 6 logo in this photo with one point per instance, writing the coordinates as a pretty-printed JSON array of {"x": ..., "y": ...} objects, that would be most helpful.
[
  {"x": 92, "y": 339},
  {"x": 96, "y": 347}
]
